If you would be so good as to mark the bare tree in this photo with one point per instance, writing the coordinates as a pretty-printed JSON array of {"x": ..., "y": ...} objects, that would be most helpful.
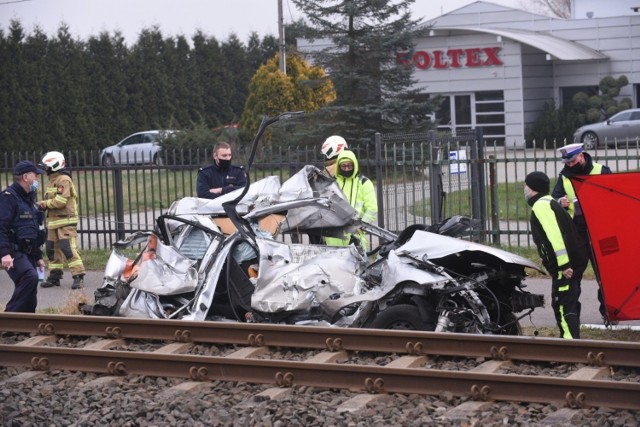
[{"x": 558, "y": 8}]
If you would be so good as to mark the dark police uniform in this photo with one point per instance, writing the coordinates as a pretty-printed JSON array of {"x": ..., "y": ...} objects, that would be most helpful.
[
  {"x": 214, "y": 177},
  {"x": 563, "y": 188},
  {"x": 20, "y": 237}
]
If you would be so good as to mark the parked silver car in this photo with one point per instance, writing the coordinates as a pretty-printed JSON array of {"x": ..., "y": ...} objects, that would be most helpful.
[
  {"x": 620, "y": 129},
  {"x": 138, "y": 148}
]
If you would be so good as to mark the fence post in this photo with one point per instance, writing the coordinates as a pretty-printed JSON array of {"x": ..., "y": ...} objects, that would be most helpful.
[
  {"x": 379, "y": 178},
  {"x": 495, "y": 205},
  {"x": 478, "y": 200},
  {"x": 119, "y": 200},
  {"x": 435, "y": 177}
]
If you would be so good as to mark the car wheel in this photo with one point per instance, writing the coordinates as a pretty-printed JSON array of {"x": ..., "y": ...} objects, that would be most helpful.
[
  {"x": 157, "y": 160},
  {"x": 590, "y": 140},
  {"x": 107, "y": 160},
  {"x": 403, "y": 316}
]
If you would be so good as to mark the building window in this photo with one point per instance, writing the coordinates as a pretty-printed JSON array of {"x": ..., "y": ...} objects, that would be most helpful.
[
  {"x": 569, "y": 92},
  {"x": 465, "y": 111},
  {"x": 490, "y": 115}
]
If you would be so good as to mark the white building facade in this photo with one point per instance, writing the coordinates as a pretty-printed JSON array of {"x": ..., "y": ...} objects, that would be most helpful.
[{"x": 497, "y": 67}]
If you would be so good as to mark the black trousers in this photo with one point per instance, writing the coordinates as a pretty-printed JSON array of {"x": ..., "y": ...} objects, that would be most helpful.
[
  {"x": 565, "y": 301},
  {"x": 25, "y": 279}
]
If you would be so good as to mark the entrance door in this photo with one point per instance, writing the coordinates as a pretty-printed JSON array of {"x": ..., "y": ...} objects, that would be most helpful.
[{"x": 456, "y": 113}]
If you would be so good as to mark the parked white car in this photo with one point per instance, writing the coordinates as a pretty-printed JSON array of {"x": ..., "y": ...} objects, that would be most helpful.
[
  {"x": 138, "y": 148},
  {"x": 620, "y": 129}
]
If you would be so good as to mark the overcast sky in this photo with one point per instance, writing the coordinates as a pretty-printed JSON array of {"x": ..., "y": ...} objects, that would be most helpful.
[{"x": 219, "y": 18}]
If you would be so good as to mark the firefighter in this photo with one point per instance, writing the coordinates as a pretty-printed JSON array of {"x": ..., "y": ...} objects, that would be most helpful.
[
  {"x": 562, "y": 255},
  {"x": 61, "y": 205},
  {"x": 331, "y": 148}
]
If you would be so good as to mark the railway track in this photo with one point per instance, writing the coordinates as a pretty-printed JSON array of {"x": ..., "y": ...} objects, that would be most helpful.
[{"x": 372, "y": 362}]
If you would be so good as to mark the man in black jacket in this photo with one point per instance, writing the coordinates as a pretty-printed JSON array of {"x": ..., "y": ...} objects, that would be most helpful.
[
  {"x": 221, "y": 177},
  {"x": 560, "y": 250}
]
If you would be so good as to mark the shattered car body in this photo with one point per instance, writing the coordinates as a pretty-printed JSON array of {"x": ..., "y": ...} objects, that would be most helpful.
[
  {"x": 236, "y": 258},
  {"x": 198, "y": 266}
]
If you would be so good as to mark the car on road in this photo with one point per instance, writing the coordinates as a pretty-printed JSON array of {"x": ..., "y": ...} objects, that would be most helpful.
[
  {"x": 620, "y": 129},
  {"x": 138, "y": 148}
]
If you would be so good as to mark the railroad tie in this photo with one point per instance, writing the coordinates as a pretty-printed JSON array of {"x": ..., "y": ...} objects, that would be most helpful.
[
  {"x": 466, "y": 410},
  {"x": 359, "y": 402}
]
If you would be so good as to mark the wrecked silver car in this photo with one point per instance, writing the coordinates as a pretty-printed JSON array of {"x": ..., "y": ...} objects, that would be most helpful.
[{"x": 233, "y": 259}]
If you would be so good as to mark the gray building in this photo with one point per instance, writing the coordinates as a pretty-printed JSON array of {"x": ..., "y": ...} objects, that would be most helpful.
[{"x": 497, "y": 66}]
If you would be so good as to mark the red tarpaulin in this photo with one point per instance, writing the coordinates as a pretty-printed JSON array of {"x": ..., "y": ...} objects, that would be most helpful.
[{"x": 611, "y": 207}]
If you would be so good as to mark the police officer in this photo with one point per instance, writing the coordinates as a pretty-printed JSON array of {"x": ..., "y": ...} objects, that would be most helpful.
[
  {"x": 562, "y": 255},
  {"x": 61, "y": 204},
  {"x": 20, "y": 236},
  {"x": 578, "y": 162},
  {"x": 221, "y": 177}
]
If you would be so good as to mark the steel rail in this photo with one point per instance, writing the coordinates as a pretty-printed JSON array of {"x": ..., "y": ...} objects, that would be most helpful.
[
  {"x": 370, "y": 378},
  {"x": 591, "y": 352}
]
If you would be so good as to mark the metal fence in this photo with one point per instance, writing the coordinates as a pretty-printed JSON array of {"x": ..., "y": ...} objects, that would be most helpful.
[{"x": 420, "y": 178}]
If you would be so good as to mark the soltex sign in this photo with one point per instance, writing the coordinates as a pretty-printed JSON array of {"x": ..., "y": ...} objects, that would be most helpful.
[{"x": 452, "y": 58}]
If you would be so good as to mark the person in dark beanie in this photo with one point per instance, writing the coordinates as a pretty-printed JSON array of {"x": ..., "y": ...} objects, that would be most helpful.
[{"x": 563, "y": 257}]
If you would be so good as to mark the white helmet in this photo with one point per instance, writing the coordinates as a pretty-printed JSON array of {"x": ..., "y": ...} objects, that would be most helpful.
[
  {"x": 53, "y": 160},
  {"x": 333, "y": 146}
]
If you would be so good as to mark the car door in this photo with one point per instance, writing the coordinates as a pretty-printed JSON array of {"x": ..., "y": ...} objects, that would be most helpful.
[
  {"x": 127, "y": 150},
  {"x": 634, "y": 127},
  {"x": 619, "y": 128},
  {"x": 147, "y": 148}
]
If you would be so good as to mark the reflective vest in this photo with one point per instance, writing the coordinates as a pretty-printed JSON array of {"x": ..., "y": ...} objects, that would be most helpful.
[
  {"x": 62, "y": 201},
  {"x": 547, "y": 218},
  {"x": 570, "y": 192}
]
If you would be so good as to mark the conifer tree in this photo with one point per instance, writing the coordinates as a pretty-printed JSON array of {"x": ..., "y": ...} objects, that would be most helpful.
[{"x": 374, "y": 90}]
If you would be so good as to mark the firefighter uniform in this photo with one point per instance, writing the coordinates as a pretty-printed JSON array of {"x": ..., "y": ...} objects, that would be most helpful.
[
  {"x": 61, "y": 203},
  {"x": 559, "y": 248}
]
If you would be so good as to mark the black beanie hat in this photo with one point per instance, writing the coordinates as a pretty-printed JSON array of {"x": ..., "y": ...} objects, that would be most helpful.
[{"x": 538, "y": 181}]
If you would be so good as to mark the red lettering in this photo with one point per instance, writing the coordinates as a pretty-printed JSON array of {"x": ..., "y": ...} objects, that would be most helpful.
[
  {"x": 473, "y": 57},
  {"x": 454, "y": 56},
  {"x": 492, "y": 56},
  {"x": 403, "y": 58},
  {"x": 439, "y": 62},
  {"x": 422, "y": 59}
]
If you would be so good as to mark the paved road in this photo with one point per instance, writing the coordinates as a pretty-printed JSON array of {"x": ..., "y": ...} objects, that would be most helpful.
[{"x": 62, "y": 296}]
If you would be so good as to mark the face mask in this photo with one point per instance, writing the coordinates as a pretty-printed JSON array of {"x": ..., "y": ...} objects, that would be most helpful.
[
  {"x": 34, "y": 186},
  {"x": 576, "y": 169},
  {"x": 526, "y": 195},
  {"x": 346, "y": 174},
  {"x": 224, "y": 164}
]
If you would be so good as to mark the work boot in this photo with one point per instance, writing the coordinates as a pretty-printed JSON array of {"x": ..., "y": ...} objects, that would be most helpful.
[
  {"x": 50, "y": 283},
  {"x": 78, "y": 282}
]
